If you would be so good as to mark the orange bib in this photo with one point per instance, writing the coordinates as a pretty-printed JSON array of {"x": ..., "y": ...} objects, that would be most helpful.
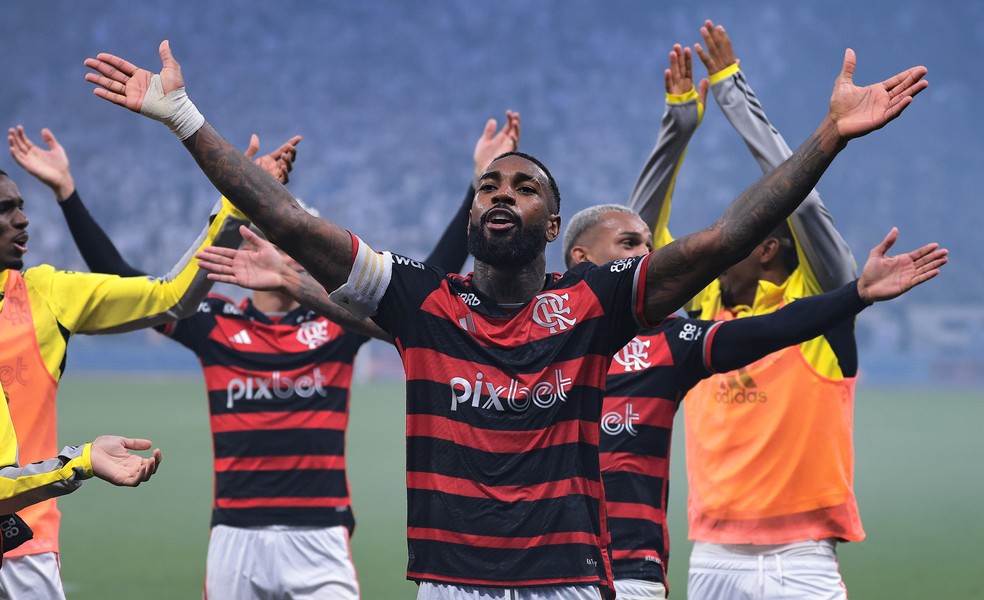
[
  {"x": 32, "y": 390},
  {"x": 770, "y": 454}
]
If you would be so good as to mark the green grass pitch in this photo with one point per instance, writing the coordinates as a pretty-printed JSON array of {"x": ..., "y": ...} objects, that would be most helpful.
[{"x": 920, "y": 483}]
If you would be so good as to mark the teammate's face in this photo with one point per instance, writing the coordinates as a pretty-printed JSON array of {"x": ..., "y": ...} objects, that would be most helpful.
[
  {"x": 512, "y": 216},
  {"x": 13, "y": 225},
  {"x": 618, "y": 235}
]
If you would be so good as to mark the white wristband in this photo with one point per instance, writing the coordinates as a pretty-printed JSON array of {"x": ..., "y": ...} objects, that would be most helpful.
[
  {"x": 175, "y": 109},
  {"x": 367, "y": 282}
]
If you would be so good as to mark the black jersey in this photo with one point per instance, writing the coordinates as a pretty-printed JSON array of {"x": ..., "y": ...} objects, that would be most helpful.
[
  {"x": 278, "y": 394},
  {"x": 503, "y": 419},
  {"x": 646, "y": 383}
]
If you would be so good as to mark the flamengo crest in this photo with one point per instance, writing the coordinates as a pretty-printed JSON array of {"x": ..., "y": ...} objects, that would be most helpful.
[
  {"x": 313, "y": 334},
  {"x": 549, "y": 312},
  {"x": 634, "y": 356}
]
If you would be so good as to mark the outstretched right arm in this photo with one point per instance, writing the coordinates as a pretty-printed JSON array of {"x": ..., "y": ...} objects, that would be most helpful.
[{"x": 321, "y": 247}]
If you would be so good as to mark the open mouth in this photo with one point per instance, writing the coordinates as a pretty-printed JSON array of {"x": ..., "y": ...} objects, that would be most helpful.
[
  {"x": 20, "y": 243},
  {"x": 500, "y": 219}
]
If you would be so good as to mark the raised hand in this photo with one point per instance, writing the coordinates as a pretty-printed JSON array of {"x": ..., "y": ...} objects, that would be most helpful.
[
  {"x": 49, "y": 166},
  {"x": 278, "y": 163},
  {"x": 885, "y": 277},
  {"x": 857, "y": 111},
  {"x": 122, "y": 82},
  {"x": 492, "y": 144},
  {"x": 112, "y": 460},
  {"x": 258, "y": 265},
  {"x": 719, "y": 54},
  {"x": 161, "y": 97},
  {"x": 679, "y": 77}
]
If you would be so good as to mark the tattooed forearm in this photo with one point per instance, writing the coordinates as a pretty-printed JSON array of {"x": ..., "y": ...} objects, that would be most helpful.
[
  {"x": 762, "y": 207},
  {"x": 678, "y": 271},
  {"x": 311, "y": 294},
  {"x": 322, "y": 248}
]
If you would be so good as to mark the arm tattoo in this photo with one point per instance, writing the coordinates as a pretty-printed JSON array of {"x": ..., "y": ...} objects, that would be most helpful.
[
  {"x": 311, "y": 294},
  {"x": 681, "y": 269},
  {"x": 323, "y": 249}
]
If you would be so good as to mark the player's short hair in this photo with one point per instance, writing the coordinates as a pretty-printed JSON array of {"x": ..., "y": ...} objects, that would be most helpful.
[
  {"x": 586, "y": 220},
  {"x": 314, "y": 212},
  {"x": 550, "y": 178}
]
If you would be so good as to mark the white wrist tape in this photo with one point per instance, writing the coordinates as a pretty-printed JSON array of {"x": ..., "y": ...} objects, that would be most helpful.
[
  {"x": 175, "y": 109},
  {"x": 370, "y": 276}
]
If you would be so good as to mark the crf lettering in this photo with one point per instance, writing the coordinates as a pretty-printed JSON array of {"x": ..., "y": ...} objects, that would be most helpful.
[
  {"x": 614, "y": 423},
  {"x": 634, "y": 355},
  {"x": 484, "y": 394},
  {"x": 313, "y": 334},
  {"x": 549, "y": 311}
]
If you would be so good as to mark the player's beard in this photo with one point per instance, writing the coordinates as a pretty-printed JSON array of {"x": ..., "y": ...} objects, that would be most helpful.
[{"x": 520, "y": 249}]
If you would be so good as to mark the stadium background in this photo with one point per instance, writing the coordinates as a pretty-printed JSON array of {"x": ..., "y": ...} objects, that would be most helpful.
[{"x": 390, "y": 97}]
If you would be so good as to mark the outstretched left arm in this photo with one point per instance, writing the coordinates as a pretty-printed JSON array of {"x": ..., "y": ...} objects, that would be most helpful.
[{"x": 740, "y": 342}]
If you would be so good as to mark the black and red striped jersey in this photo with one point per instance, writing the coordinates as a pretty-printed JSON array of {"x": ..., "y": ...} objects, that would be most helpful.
[
  {"x": 503, "y": 418},
  {"x": 278, "y": 394},
  {"x": 646, "y": 383}
]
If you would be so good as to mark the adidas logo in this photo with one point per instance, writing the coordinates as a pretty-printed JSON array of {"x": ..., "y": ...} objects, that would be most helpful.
[
  {"x": 241, "y": 338},
  {"x": 740, "y": 389}
]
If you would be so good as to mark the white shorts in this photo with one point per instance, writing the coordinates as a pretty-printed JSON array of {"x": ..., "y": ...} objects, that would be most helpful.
[
  {"x": 279, "y": 562},
  {"x": 798, "y": 571},
  {"x": 639, "y": 589},
  {"x": 441, "y": 591},
  {"x": 32, "y": 577}
]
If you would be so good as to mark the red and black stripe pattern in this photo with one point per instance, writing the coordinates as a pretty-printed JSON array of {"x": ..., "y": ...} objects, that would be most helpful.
[
  {"x": 503, "y": 410},
  {"x": 278, "y": 402},
  {"x": 646, "y": 382}
]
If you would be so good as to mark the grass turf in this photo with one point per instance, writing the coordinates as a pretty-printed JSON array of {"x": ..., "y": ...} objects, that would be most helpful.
[{"x": 919, "y": 484}]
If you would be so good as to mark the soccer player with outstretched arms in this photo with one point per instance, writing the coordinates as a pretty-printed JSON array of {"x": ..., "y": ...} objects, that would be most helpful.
[
  {"x": 278, "y": 378},
  {"x": 506, "y": 366}
]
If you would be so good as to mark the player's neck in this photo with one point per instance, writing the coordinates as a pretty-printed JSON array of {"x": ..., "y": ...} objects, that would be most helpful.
[
  {"x": 510, "y": 285},
  {"x": 273, "y": 302}
]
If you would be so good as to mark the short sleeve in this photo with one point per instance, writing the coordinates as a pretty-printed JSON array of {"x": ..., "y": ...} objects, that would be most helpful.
[
  {"x": 410, "y": 284},
  {"x": 619, "y": 287}
]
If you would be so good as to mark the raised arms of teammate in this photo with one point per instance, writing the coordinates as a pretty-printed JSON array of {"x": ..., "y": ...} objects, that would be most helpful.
[
  {"x": 107, "y": 457},
  {"x": 823, "y": 253},
  {"x": 674, "y": 273},
  {"x": 51, "y": 167},
  {"x": 679, "y": 270},
  {"x": 259, "y": 266},
  {"x": 740, "y": 342},
  {"x": 684, "y": 111}
]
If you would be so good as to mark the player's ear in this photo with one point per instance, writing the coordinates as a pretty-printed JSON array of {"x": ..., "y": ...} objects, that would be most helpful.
[
  {"x": 768, "y": 250},
  {"x": 579, "y": 254},
  {"x": 553, "y": 227}
]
